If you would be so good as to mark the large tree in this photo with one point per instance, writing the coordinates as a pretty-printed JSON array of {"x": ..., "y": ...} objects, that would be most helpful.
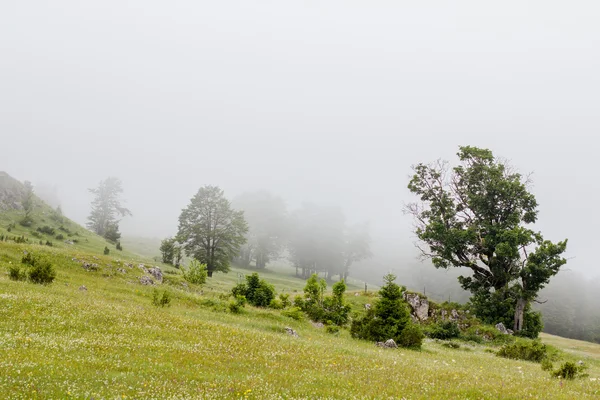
[
  {"x": 475, "y": 216},
  {"x": 267, "y": 220},
  {"x": 107, "y": 208},
  {"x": 210, "y": 230}
]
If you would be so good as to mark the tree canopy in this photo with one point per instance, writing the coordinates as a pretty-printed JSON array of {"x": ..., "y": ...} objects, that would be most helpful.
[
  {"x": 107, "y": 208},
  {"x": 475, "y": 216},
  {"x": 210, "y": 230}
]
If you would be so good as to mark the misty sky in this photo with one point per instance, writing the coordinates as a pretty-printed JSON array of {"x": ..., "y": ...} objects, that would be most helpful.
[{"x": 324, "y": 101}]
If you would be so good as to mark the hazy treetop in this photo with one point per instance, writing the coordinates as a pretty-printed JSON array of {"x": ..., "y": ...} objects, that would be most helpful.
[{"x": 328, "y": 102}]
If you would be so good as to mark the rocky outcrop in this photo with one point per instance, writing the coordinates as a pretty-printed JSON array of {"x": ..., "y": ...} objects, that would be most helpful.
[
  {"x": 291, "y": 332},
  {"x": 388, "y": 344},
  {"x": 419, "y": 306},
  {"x": 146, "y": 280},
  {"x": 500, "y": 326},
  {"x": 156, "y": 273}
]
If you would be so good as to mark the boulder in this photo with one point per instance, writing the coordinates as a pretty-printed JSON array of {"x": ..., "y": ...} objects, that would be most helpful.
[
  {"x": 291, "y": 332},
  {"x": 146, "y": 280},
  {"x": 500, "y": 326},
  {"x": 82, "y": 288},
  {"x": 419, "y": 305},
  {"x": 156, "y": 273},
  {"x": 89, "y": 266},
  {"x": 367, "y": 307},
  {"x": 121, "y": 270},
  {"x": 388, "y": 344}
]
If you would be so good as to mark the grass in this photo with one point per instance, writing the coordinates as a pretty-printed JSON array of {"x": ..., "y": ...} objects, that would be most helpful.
[{"x": 110, "y": 342}]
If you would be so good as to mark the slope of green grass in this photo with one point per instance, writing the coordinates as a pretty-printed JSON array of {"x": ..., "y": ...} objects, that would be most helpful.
[{"x": 109, "y": 342}]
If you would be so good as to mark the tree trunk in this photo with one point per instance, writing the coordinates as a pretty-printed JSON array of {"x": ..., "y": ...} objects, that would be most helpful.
[
  {"x": 519, "y": 313},
  {"x": 209, "y": 273}
]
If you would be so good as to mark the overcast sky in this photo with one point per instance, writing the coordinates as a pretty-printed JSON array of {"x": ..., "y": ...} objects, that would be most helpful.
[{"x": 312, "y": 100}]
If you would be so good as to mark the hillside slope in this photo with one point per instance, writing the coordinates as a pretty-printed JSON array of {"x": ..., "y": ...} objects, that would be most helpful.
[{"x": 109, "y": 341}]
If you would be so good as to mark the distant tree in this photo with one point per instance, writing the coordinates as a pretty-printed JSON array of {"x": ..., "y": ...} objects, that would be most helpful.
[
  {"x": 357, "y": 246},
  {"x": 210, "y": 230},
  {"x": 167, "y": 249},
  {"x": 317, "y": 241},
  {"x": 27, "y": 200},
  {"x": 267, "y": 221},
  {"x": 106, "y": 208},
  {"x": 474, "y": 216}
]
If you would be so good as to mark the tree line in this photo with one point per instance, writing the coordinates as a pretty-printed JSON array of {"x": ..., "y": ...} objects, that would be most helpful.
[{"x": 256, "y": 228}]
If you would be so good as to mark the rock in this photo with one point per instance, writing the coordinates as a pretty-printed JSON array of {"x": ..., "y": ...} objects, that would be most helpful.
[
  {"x": 388, "y": 344},
  {"x": 129, "y": 265},
  {"x": 418, "y": 304},
  {"x": 356, "y": 294},
  {"x": 89, "y": 266},
  {"x": 291, "y": 332},
  {"x": 500, "y": 326},
  {"x": 444, "y": 313},
  {"x": 318, "y": 325},
  {"x": 156, "y": 273},
  {"x": 510, "y": 331},
  {"x": 121, "y": 270},
  {"x": 367, "y": 306},
  {"x": 82, "y": 288},
  {"x": 580, "y": 363},
  {"x": 146, "y": 280},
  {"x": 69, "y": 242},
  {"x": 454, "y": 315}
]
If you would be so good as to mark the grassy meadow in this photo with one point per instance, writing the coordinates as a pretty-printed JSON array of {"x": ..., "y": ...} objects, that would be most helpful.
[{"x": 110, "y": 342}]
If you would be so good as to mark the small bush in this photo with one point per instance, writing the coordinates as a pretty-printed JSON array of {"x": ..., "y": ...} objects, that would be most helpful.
[
  {"x": 106, "y": 250},
  {"x": 119, "y": 247},
  {"x": 60, "y": 236},
  {"x": 26, "y": 222},
  {"x": 411, "y": 336},
  {"x": 28, "y": 259},
  {"x": 236, "y": 306},
  {"x": 49, "y": 243},
  {"x": 333, "y": 329},
  {"x": 529, "y": 351},
  {"x": 41, "y": 272},
  {"x": 15, "y": 274},
  {"x": 163, "y": 300},
  {"x": 443, "y": 330},
  {"x": 569, "y": 371},
  {"x": 46, "y": 230},
  {"x": 257, "y": 291},
  {"x": 547, "y": 365},
  {"x": 472, "y": 338},
  {"x": 195, "y": 273},
  {"x": 285, "y": 300},
  {"x": 276, "y": 304},
  {"x": 36, "y": 234},
  {"x": 293, "y": 313}
]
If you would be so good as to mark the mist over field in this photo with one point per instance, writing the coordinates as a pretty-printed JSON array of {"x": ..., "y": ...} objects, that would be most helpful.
[{"x": 321, "y": 102}]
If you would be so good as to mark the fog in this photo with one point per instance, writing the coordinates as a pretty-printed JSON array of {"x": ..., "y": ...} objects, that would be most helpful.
[{"x": 328, "y": 102}]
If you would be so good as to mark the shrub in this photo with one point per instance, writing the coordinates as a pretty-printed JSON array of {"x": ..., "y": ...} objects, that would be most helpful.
[
  {"x": 276, "y": 304},
  {"x": 293, "y": 313},
  {"x": 333, "y": 329},
  {"x": 451, "y": 345},
  {"x": 41, "y": 272},
  {"x": 26, "y": 222},
  {"x": 49, "y": 243},
  {"x": 236, "y": 306},
  {"x": 387, "y": 318},
  {"x": 443, "y": 330},
  {"x": 324, "y": 308},
  {"x": 547, "y": 365},
  {"x": 524, "y": 350},
  {"x": 195, "y": 273},
  {"x": 257, "y": 291},
  {"x": 119, "y": 247},
  {"x": 411, "y": 336},
  {"x": 106, "y": 250},
  {"x": 28, "y": 259},
  {"x": 36, "y": 234},
  {"x": 15, "y": 274},
  {"x": 60, "y": 236},
  {"x": 569, "y": 371},
  {"x": 46, "y": 230},
  {"x": 285, "y": 300},
  {"x": 163, "y": 300}
]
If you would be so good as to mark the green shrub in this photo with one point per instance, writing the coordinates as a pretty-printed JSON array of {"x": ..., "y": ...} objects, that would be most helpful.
[
  {"x": 46, "y": 230},
  {"x": 333, "y": 329},
  {"x": 257, "y": 291},
  {"x": 106, "y": 250},
  {"x": 387, "y": 318},
  {"x": 41, "y": 272},
  {"x": 547, "y": 365},
  {"x": 443, "y": 330},
  {"x": 36, "y": 234},
  {"x": 119, "y": 247},
  {"x": 276, "y": 304},
  {"x": 28, "y": 259},
  {"x": 159, "y": 300},
  {"x": 236, "y": 306},
  {"x": 60, "y": 236},
  {"x": 569, "y": 371},
  {"x": 471, "y": 337},
  {"x": 293, "y": 313},
  {"x": 15, "y": 274},
  {"x": 285, "y": 300},
  {"x": 411, "y": 336},
  {"x": 195, "y": 273},
  {"x": 533, "y": 350},
  {"x": 324, "y": 308}
]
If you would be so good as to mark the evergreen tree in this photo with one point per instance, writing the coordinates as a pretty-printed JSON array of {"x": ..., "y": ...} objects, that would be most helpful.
[{"x": 106, "y": 208}]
